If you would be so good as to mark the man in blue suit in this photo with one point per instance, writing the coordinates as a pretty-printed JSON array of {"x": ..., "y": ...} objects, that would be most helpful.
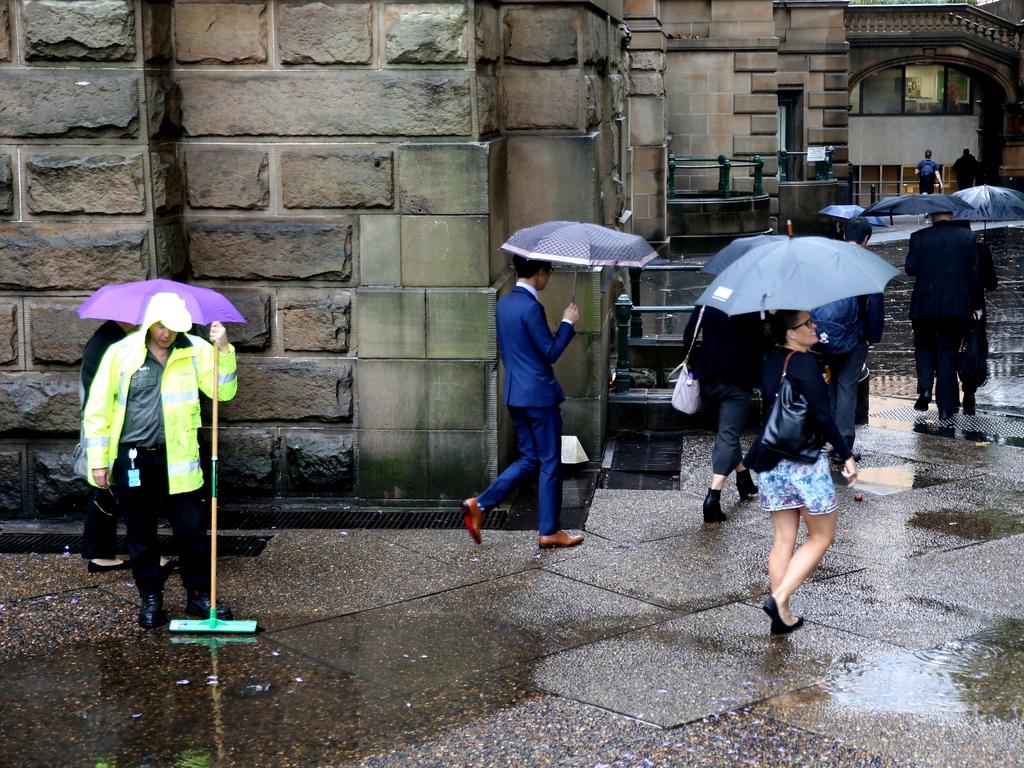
[{"x": 532, "y": 394}]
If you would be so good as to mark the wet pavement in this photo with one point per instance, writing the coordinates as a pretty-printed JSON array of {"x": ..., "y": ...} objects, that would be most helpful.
[{"x": 646, "y": 646}]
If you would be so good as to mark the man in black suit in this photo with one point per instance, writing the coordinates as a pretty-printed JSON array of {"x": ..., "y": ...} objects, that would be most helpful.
[{"x": 947, "y": 294}]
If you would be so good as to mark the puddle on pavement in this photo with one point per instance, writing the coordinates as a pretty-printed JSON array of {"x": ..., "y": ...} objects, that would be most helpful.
[
  {"x": 980, "y": 676},
  {"x": 885, "y": 481},
  {"x": 156, "y": 702},
  {"x": 973, "y": 524}
]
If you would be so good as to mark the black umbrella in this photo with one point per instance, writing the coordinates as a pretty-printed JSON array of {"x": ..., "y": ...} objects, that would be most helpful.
[
  {"x": 991, "y": 203},
  {"x": 917, "y": 204}
]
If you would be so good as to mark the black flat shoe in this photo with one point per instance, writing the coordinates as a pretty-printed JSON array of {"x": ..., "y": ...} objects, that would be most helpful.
[
  {"x": 779, "y": 627},
  {"x": 946, "y": 415},
  {"x": 770, "y": 607},
  {"x": 97, "y": 568},
  {"x": 969, "y": 405},
  {"x": 922, "y": 403}
]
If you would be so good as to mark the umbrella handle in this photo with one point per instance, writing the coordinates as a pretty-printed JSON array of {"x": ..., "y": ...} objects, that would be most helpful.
[{"x": 213, "y": 484}]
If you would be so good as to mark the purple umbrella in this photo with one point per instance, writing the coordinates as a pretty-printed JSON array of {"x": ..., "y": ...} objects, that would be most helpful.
[{"x": 127, "y": 302}]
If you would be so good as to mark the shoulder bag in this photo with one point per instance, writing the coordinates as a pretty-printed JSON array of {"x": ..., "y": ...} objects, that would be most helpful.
[
  {"x": 686, "y": 395},
  {"x": 786, "y": 430}
]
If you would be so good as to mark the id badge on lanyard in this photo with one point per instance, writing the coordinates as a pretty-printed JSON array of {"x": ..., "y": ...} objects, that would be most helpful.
[{"x": 134, "y": 478}]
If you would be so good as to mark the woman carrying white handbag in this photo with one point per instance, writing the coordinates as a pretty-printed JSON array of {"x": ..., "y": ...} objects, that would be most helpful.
[{"x": 727, "y": 367}]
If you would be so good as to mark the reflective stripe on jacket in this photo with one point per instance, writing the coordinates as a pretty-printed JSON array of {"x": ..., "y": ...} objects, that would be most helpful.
[{"x": 189, "y": 369}]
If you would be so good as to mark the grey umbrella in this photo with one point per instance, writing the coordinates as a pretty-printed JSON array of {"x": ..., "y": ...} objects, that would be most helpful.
[
  {"x": 579, "y": 243},
  {"x": 799, "y": 273},
  {"x": 991, "y": 203},
  {"x": 916, "y": 205}
]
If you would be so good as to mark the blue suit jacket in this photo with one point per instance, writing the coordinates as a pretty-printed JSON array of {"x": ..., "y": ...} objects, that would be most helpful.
[{"x": 528, "y": 348}]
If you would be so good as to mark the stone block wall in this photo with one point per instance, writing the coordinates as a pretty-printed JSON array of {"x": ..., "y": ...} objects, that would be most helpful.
[
  {"x": 345, "y": 173},
  {"x": 720, "y": 87}
]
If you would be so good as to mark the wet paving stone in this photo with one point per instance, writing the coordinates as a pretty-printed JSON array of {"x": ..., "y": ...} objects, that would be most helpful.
[
  {"x": 715, "y": 566},
  {"x": 741, "y": 738},
  {"x": 32, "y": 575},
  {"x": 422, "y": 643},
  {"x": 699, "y": 664},
  {"x": 957, "y": 705},
  {"x": 888, "y": 605}
]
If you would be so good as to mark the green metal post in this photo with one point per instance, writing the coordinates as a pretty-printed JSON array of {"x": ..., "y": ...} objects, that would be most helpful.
[
  {"x": 623, "y": 313},
  {"x": 758, "y": 174},
  {"x": 782, "y": 164},
  {"x": 828, "y": 161},
  {"x": 671, "y": 175},
  {"x": 636, "y": 322},
  {"x": 725, "y": 166}
]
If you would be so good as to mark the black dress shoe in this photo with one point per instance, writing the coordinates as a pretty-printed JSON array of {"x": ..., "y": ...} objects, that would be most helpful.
[
  {"x": 946, "y": 415},
  {"x": 922, "y": 403},
  {"x": 969, "y": 405},
  {"x": 151, "y": 611},
  {"x": 198, "y": 605},
  {"x": 713, "y": 507},
  {"x": 745, "y": 485},
  {"x": 97, "y": 568}
]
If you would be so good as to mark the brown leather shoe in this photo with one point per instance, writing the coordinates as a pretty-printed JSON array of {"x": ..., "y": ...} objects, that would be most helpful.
[
  {"x": 560, "y": 539},
  {"x": 472, "y": 518}
]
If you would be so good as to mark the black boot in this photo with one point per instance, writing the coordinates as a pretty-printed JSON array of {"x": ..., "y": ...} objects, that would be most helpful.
[
  {"x": 151, "y": 611},
  {"x": 198, "y": 605},
  {"x": 745, "y": 484},
  {"x": 969, "y": 406},
  {"x": 922, "y": 401},
  {"x": 713, "y": 508}
]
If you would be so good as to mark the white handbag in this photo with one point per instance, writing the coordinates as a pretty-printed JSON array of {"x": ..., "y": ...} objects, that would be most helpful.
[{"x": 686, "y": 394}]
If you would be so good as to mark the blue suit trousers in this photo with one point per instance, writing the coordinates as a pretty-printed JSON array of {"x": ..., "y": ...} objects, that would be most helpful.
[{"x": 539, "y": 438}]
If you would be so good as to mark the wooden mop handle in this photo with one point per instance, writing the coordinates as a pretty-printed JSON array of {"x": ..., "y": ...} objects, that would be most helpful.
[{"x": 213, "y": 487}]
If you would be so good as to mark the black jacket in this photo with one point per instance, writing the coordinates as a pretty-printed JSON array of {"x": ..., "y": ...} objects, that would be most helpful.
[
  {"x": 944, "y": 259},
  {"x": 732, "y": 350},
  {"x": 805, "y": 376}
]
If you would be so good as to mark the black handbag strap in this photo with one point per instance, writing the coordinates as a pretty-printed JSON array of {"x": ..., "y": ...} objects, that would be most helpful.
[
  {"x": 696, "y": 330},
  {"x": 786, "y": 364}
]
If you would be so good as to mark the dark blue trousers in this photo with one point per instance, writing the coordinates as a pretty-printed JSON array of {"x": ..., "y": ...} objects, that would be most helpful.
[{"x": 539, "y": 439}]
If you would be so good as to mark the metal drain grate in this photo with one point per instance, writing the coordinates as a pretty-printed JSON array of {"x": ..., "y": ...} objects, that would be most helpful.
[
  {"x": 983, "y": 426},
  {"x": 347, "y": 517},
  {"x": 57, "y": 543}
]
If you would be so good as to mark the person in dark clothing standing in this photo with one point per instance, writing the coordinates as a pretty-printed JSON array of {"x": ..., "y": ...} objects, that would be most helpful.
[
  {"x": 791, "y": 490},
  {"x": 947, "y": 294},
  {"x": 728, "y": 368},
  {"x": 846, "y": 328},
  {"x": 928, "y": 174},
  {"x": 99, "y": 540},
  {"x": 967, "y": 169}
]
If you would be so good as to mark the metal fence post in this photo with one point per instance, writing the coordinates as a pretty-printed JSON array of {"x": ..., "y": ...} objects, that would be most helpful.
[
  {"x": 783, "y": 157},
  {"x": 636, "y": 322},
  {"x": 725, "y": 165},
  {"x": 671, "y": 175},
  {"x": 758, "y": 173},
  {"x": 874, "y": 194},
  {"x": 623, "y": 313}
]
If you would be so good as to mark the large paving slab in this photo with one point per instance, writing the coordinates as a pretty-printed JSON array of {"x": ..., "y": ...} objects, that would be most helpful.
[
  {"x": 500, "y": 553},
  {"x": 703, "y": 663},
  {"x": 422, "y": 643},
  {"x": 713, "y": 566},
  {"x": 309, "y": 575},
  {"x": 956, "y": 706}
]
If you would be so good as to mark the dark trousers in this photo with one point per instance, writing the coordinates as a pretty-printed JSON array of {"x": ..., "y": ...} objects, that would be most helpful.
[
  {"x": 733, "y": 406},
  {"x": 144, "y": 505},
  {"x": 842, "y": 389},
  {"x": 937, "y": 343},
  {"x": 539, "y": 439},
  {"x": 99, "y": 536}
]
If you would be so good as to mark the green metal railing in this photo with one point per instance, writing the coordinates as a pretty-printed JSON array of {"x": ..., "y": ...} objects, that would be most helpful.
[
  {"x": 723, "y": 164},
  {"x": 629, "y": 317},
  {"x": 822, "y": 168}
]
